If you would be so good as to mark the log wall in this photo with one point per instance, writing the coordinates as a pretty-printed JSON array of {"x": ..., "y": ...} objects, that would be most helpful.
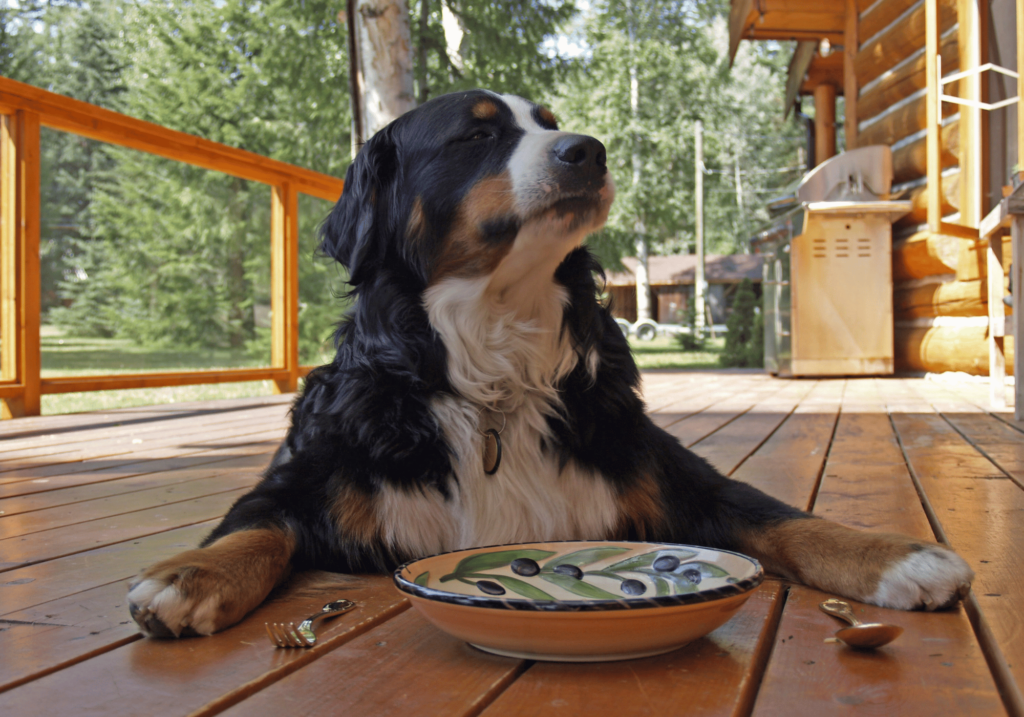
[{"x": 940, "y": 282}]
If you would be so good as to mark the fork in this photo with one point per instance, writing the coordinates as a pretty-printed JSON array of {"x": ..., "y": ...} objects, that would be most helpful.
[{"x": 303, "y": 636}]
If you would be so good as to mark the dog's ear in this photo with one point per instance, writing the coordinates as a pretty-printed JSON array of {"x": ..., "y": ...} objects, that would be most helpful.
[{"x": 360, "y": 229}]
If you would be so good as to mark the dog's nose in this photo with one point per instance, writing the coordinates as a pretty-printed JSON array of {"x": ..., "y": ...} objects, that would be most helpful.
[{"x": 581, "y": 151}]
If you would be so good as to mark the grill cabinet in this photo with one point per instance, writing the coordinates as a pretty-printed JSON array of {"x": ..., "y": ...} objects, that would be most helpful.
[{"x": 828, "y": 271}]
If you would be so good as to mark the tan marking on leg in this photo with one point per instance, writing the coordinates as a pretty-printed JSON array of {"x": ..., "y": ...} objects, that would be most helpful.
[
  {"x": 485, "y": 109},
  {"x": 355, "y": 514},
  {"x": 832, "y": 557},
  {"x": 641, "y": 509},
  {"x": 208, "y": 589}
]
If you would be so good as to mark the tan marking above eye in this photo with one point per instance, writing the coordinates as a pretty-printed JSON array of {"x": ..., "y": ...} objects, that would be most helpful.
[
  {"x": 548, "y": 117},
  {"x": 485, "y": 109}
]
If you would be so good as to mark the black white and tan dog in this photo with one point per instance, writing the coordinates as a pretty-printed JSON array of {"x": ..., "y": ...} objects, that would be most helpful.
[{"x": 476, "y": 312}]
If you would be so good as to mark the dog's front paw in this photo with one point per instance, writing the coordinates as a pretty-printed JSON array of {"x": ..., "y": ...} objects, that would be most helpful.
[
  {"x": 929, "y": 577},
  {"x": 203, "y": 591},
  {"x": 176, "y": 598}
]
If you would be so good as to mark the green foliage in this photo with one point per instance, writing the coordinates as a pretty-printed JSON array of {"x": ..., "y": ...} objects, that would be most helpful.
[
  {"x": 680, "y": 52},
  {"x": 693, "y": 339},
  {"x": 742, "y": 334}
]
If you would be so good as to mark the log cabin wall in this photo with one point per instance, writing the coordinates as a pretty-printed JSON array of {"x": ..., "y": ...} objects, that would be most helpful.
[{"x": 940, "y": 282}]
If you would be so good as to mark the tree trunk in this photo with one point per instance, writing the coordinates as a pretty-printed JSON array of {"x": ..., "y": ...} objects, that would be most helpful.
[{"x": 383, "y": 62}]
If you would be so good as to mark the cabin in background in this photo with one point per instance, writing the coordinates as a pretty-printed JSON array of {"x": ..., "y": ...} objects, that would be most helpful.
[
  {"x": 672, "y": 279},
  {"x": 936, "y": 81}
]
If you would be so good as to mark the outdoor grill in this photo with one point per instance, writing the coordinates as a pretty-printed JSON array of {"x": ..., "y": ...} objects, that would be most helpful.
[{"x": 828, "y": 271}]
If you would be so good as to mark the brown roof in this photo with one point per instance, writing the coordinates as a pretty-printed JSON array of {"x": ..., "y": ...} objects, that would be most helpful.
[{"x": 681, "y": 269}]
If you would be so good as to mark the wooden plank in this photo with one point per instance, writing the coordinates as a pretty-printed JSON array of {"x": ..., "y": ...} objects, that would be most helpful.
[
  {"x": 728, "y": 447},
  {"x": 789, "y": 464},
  {"x": 937, "y": 666},
  {"x": 715, "y": 675},
  {"x": 64, "y": 475},
  {"x": 254, "y": 462},
  {"x": 82, "y": 514},
  {"x": 690, "y": 430},
  {"x": 132, "y": 439},
  {"x": 995, "y": 283},
  {"x": 981, "y": 512},
  {"x": 22, "y": 551},
  {"x": 55, "y": 579},
  {"x": 204, "y": 675},
  {"x": 459, "y": 680},
  {"x": 900, "y": 40},
  {"x": 79, "y": 427},
  {"x": 68, "y": 115}
]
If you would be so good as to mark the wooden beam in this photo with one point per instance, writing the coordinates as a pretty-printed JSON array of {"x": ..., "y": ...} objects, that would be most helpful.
[
  {"x": 851, "y": 93},
  {"x": 996, "y": 323},
  {"x": 68, "y": 115},
  {"x": 902, "y": 122},
  {"x": 900, "y": 40},
  {"x": 1020, "y": 119},
  {"x": 910, "y": 161},
  {"x": 972, "y": 21},
  {"x": 880, "y": 15},
  {"x": 919, "y": 198},
  {"x": 915, "y": 300},
  {"x": 924, "y": 254},
  {"x": 803, "y": 54},
  {"x": 739, "y": 11},
  {"x": 19, "y": 237},
  {"x": 1017, "y": 267},
  {"x": 284, "y": 285},
  {"x": 944, "y": 348},
  {"x": 901, "y": 82},
  {"x": 824, "y": 122},
  {"x": 117, "y": 382},
  {"x": 932, "y": 118}
]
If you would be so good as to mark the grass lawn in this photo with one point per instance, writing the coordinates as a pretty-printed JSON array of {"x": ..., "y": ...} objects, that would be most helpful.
[
  {"x": 665, "y": 352},
  {"x": 69, "y": 356}
]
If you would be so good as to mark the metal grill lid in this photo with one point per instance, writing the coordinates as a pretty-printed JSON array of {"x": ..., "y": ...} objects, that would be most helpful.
[{"x": 857, "y": 175}]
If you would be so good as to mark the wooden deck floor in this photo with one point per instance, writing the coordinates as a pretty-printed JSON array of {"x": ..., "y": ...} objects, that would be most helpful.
[{"x": 87, "y": 500}]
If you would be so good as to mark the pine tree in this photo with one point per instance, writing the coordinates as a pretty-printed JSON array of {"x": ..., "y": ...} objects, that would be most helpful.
[{"x": 740, "y": 327}]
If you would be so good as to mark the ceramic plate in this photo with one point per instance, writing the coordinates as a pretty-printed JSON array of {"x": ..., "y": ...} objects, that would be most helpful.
[{"x": 580, "y": 601}]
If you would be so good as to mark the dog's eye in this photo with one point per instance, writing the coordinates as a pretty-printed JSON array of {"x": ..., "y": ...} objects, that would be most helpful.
[{"x": 478, "y": 136}]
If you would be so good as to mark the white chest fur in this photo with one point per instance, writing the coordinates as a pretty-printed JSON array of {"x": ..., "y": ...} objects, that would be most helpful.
[{"x": 498, "y": 365}]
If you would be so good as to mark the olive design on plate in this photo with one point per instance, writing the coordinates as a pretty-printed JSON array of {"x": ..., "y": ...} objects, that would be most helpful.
[
  {"x": 570, "y": 570},
  {"x": 526, "y": 567},
  {"x": 666, "y": 563},
  {"x": 490, "y": 587},
  {"x": 693, "y": 575},
  {"x": 633, "y": 587}
]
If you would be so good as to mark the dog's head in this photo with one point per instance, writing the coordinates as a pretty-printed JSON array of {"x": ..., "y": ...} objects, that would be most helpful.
[{"x": 471, "y": 184}]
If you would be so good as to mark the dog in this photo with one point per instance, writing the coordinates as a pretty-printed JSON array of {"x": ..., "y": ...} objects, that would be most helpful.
[{"x": 481, "y": 394}]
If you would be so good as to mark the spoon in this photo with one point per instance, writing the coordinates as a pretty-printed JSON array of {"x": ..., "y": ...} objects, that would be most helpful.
[{"x": 861, "y": 635}]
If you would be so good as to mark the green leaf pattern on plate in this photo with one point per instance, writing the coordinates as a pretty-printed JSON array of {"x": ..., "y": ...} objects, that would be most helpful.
[
  {"x": 422, "y": 578},
  {"x": 490, "y": 561},
  {"x": 665, "y": 583}
]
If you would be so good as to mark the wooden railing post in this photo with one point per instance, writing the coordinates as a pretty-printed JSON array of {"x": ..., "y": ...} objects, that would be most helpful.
[
  {"x": 851, "y": 44},
  {"x": 19, "y": 261},
  {"x": 284, "y": 284},
  {"x": 933, "y": 116}
]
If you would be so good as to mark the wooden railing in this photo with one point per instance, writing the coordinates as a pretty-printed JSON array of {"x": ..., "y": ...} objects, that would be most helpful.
[{"x": 23, "y": 110}]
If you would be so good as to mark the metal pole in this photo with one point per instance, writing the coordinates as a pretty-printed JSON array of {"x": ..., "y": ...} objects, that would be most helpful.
[{"x": 698, "y": 286}]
